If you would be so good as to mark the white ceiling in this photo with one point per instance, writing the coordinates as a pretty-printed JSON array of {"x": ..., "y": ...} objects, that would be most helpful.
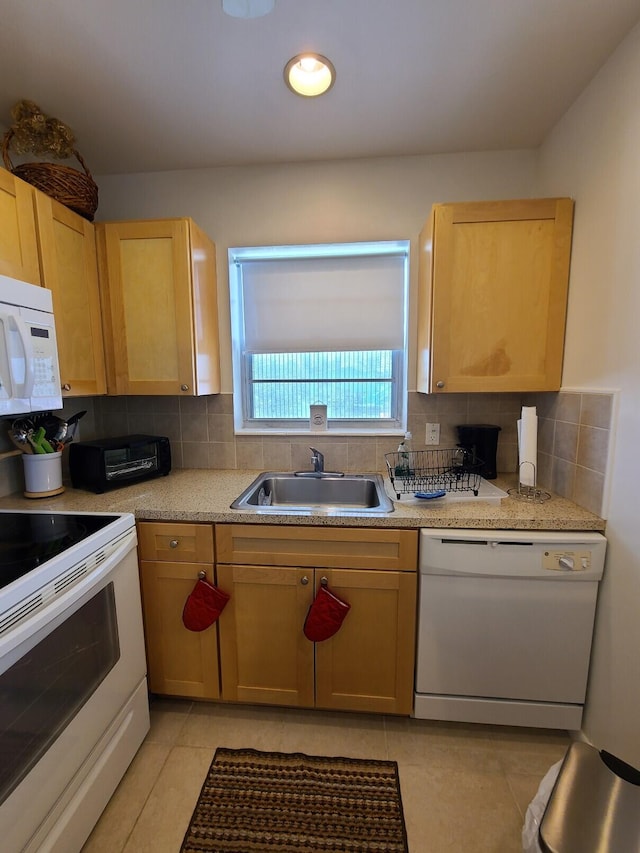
[{"x": 151, "y": 85}]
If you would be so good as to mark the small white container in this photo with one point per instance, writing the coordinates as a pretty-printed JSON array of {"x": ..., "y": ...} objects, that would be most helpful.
[
  {"x": 318, "y": 417},
  {"x": 42, "y": 474}
]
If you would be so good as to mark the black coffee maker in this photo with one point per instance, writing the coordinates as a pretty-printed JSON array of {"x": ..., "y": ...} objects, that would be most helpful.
[{"x": 480, "y": 443}]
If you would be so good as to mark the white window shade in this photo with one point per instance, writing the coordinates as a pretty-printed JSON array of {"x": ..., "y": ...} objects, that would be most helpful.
[{"x": 324, "y": 304}]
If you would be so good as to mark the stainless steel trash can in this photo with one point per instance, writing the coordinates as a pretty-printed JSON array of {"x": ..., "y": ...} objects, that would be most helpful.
[{"x": 594, "y": 806}]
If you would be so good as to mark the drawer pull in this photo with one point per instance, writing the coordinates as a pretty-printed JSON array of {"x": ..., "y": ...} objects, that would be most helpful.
[
  {"x": 324, "y": 582},
  {"x": 202, "y": 575},
  {"x": 173, "y": 543},
  {"x": 304, "y": 581}
]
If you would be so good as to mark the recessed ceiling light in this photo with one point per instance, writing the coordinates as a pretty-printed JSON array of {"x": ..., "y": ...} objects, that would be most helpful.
[
  {"x": 247, "y": 8},
  {"x": 309, "y": 74}
]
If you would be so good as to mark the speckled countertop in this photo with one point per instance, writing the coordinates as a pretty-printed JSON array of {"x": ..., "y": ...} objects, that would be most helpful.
[{"x": 205, "y": 495}]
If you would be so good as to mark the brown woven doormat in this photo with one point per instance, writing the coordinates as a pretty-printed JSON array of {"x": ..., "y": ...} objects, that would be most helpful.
[{"x": 254, "y": 802}]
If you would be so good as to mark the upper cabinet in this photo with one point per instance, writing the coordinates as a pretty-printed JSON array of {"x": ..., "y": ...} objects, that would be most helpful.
[
  {"x": 67, "y": 249},
  {"x": 493, "y": 282},
  {"x": 18, "y": 247},
  {"x": 158, "y": 280}
]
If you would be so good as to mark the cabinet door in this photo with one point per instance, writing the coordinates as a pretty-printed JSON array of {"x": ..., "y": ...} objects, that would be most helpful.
[
  {"x": 368, "y": 664},
  {"x": 493, "y": 282},
  {"x": 146, "y": 278},
  {"x": 18, "y": 246},
  {"x": 69, "y": 265},
  {"x": 180, "y": 662},
  {"x": 205, "y": 312},
  {"x": 264, "y": 655}
]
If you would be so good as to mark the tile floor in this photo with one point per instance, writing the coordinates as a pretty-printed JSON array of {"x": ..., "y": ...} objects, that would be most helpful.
[{"x": 464, "y": 787}]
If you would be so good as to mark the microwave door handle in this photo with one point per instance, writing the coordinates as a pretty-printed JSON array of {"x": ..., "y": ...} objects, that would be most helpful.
[
  {"x": 6, "y": 383},
  {"x": 22, "y": 387}
]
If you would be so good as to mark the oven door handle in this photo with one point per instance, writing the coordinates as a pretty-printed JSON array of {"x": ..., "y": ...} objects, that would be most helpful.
[{"x": 26, "y": 633}]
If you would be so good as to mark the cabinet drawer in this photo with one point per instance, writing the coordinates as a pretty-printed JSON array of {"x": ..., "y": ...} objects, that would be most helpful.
[
  {"x": 360, "y": 548},
  {"x": 175, "y": 542}
]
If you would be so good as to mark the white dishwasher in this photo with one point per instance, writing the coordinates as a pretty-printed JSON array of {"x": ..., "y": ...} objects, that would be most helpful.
[{"x": 505, "y": 623}]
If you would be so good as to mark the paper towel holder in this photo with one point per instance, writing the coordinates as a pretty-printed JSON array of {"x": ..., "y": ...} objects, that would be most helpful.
[{"x": 528, "y": 493}]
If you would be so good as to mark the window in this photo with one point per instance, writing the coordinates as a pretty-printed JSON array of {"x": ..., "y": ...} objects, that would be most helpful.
[{"x": 319, "y": 324}]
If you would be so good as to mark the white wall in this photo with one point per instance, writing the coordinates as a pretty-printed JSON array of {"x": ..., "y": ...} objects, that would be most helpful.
[
  {"x": 593, "y": 154},
  {"x": 379, "y": 199}
]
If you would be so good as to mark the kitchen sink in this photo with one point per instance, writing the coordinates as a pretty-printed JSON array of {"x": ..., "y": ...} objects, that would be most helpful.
[{"x": 274, "y": 492}]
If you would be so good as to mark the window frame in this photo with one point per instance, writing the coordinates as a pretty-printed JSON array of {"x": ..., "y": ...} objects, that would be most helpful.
[{"x": 243, "y": 424}]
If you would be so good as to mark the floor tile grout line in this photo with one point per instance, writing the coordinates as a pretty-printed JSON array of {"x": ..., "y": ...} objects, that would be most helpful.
[
  {"x": 146, "y": 799},
  {"x": 170, "y": 747}
]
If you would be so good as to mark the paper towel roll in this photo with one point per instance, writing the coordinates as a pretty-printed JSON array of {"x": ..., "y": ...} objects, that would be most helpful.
[{"x": 528, "y": 446}]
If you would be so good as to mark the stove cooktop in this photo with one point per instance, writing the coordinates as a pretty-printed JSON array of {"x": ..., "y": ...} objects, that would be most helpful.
[{"x": 30, "y": 539}]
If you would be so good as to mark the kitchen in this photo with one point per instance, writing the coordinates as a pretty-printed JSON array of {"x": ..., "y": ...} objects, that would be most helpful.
[{"x": 591, "y": 156}]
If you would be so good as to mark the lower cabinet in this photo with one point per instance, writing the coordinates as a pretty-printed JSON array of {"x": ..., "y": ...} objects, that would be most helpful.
[
  {"x": 265, "y": 657},
  {"x": 180, "y": 662},
  {"x": 257, "y": 651}
]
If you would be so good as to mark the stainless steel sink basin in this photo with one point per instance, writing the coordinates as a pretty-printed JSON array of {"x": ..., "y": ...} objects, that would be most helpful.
[{"x": 274, "y": 492}]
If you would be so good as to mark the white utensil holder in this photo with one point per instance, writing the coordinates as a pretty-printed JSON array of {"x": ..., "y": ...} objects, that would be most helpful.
[{"x": 42, "y": 474}]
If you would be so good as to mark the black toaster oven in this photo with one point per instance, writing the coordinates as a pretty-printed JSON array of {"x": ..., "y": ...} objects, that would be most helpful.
[{"x": 108, "y": 463}]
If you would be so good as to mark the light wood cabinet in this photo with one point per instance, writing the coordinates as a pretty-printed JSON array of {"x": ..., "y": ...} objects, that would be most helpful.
[
  {"x": 18, "y": 246},
  {"x": 180, "y": 662},
  {"x": 67, "y": 253},
  {"x": 264, "y": 655},
  {"x": 158, "y": 279},
  {"x": 493, "y": 282},
  {"x": 368, "y": 665},
  {"x": 333, "y": 547}
]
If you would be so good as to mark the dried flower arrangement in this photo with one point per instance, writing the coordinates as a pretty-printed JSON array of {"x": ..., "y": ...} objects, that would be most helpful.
[
  {"x": 36, "y": 133},
  {"x": 33, "y": 132}
]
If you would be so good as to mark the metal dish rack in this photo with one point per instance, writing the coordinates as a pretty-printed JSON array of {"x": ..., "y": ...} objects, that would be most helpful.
[{"x": 433, "y": 470}]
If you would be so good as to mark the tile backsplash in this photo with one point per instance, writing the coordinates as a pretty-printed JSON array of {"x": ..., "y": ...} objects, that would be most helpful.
[
  {"x": 202, "y": 435},
  {"x": 573, "y": 436}
]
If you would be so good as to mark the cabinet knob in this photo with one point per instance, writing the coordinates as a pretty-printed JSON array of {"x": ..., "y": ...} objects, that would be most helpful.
[
  {"x": 324, "y": 581},
  {"x": 184, "y": 387},
  {"x": 202, "y": 575},
  {"x": 440, "y": 384},
  {"x": 304, "y": 581},
  {"x": 173, "y": 543},
  {"x": 66, "y": 387}
]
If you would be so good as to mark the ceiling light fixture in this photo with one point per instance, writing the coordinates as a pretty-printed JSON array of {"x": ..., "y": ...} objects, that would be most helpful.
[
  {"x": 309, "y": 74},
  {"x": 247, "y": 8}
]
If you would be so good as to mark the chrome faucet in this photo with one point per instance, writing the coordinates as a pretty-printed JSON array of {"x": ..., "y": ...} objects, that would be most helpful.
[{"x": 317, "y": 460}]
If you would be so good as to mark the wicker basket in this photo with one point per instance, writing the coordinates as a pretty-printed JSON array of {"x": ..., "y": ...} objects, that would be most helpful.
[{"x": 76, "y": 190}]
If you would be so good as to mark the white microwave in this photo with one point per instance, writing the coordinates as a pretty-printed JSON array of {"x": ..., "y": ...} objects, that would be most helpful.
[{"x": 29, "y": 368}]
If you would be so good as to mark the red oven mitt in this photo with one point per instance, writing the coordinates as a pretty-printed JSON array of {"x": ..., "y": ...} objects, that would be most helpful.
[
  {"x": 325, "y": 616},
  {"x": 203, "y": 606}
]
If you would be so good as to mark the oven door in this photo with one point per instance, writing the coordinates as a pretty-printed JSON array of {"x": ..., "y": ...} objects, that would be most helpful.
[{"x": 66, "y": 674}]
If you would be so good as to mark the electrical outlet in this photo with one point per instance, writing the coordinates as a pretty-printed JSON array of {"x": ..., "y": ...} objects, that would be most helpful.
[{"x": 432, "y": 435}]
